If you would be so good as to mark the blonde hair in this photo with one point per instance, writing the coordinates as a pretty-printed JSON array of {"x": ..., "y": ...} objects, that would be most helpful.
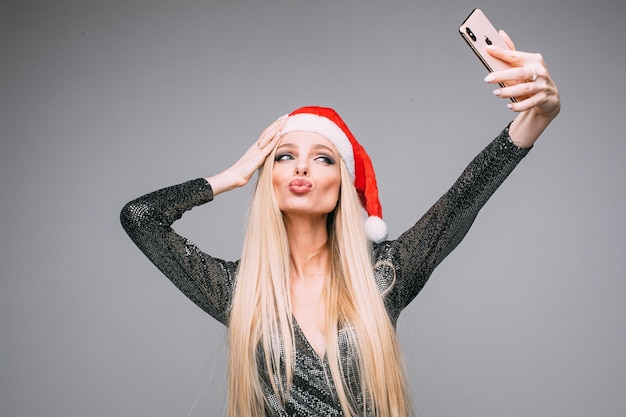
[{"x": 261, "y": 315}]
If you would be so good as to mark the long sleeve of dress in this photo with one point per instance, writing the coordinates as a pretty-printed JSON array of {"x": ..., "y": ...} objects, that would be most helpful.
[
  {"x": 408, "y": 262},
  {"x": 207, "y": 281}
]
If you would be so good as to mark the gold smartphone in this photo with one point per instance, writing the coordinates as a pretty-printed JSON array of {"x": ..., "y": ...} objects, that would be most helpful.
[{"x": 479, "y": 33}]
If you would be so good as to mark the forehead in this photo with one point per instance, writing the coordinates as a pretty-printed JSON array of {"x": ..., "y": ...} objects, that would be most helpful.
[{"x": 308, "y": 139}]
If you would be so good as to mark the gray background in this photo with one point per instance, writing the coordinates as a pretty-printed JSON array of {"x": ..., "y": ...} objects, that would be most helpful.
[{"x": 104, "y": 101}]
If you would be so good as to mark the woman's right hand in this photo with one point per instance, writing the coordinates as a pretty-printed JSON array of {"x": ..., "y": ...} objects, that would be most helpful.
[{"x": 242, "y": 171}]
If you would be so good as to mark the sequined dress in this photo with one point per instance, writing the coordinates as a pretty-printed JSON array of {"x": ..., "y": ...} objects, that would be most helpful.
[{"x": 209, "y": 282}]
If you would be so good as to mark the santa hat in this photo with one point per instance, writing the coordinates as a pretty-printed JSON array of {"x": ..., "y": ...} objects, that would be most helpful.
[{"x": 328, "y": 123}]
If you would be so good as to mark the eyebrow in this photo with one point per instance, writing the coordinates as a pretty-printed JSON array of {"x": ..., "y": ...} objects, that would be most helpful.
[{"x": 317, "y": 146}]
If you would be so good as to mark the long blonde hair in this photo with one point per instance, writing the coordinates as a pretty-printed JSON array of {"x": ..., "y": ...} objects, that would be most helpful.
[{"x": 261, "y": 315}]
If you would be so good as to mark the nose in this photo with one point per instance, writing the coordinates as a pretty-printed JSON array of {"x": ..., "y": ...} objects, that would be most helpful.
[{"x": 302, "y": 168}]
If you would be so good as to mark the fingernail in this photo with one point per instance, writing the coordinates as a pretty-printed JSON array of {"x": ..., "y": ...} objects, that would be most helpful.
[
  {"x": 489, "y": 78},
  {"x": 497, "y": 92},
  {"x": 509, "y": 105},
  {"x": 491, "y": 47}
]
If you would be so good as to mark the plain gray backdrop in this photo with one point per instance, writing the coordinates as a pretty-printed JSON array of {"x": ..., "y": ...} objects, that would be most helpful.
[{"x": 102, "y": 101}]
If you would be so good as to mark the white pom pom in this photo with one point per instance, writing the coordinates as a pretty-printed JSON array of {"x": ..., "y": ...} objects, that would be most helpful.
[{"x": 376, "y": 229}]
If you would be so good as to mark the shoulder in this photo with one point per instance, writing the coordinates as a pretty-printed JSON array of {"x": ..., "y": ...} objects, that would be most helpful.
[{"x": 384, "y": 266}]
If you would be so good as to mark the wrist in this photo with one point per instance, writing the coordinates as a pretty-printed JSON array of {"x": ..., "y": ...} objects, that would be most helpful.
[
  {"x": 527, "y": 127},
  {"x": 222, "y": 182}
]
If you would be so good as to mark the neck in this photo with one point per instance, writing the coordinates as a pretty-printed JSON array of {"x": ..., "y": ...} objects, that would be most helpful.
[{"x": 307, "y": 248}]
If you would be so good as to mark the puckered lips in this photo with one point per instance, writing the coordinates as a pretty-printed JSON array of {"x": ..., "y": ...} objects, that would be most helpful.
[{"x": 299, "y": 186}]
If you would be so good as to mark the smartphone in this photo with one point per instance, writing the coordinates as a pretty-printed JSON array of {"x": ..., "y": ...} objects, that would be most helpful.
[{"x": 479, "y": 33}]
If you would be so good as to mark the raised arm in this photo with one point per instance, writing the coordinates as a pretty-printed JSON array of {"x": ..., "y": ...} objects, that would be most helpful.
[
  {"x": 419, "y": 250},
  {"x": 207, "y": 281}
]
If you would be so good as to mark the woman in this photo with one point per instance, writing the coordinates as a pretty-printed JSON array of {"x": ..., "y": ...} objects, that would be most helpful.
[{"x": 312, "y": 304}]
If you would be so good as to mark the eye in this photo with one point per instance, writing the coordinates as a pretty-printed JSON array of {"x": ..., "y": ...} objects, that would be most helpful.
[
  {"x": 326, "y": 159},
  {"x": 283, "y": 157}
]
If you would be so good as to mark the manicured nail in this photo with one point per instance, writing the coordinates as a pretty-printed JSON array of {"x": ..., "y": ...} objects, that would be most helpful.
[
  {"x": 489, "y": 78},
  {"x": 509, "y": 105},
  {"x": 497, "y": 92}
]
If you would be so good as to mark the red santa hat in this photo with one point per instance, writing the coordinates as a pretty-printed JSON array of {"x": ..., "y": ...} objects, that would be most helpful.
[{"x": 328, "y": 123}]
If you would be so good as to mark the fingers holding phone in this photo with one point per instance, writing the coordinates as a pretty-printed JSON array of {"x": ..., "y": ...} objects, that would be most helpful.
[
  {"x": 528, "y": 80},
  {"x": 523, "y": 77}
]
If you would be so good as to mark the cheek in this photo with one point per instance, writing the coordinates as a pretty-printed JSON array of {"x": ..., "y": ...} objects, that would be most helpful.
[
  {"x": 334, "y": 187},
  {"x": 278, "y": 175},
  {"x": 331, "y": 187}
]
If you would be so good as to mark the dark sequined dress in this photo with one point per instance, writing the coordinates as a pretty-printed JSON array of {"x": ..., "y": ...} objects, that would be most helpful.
[{"x": 209, "y": 282}]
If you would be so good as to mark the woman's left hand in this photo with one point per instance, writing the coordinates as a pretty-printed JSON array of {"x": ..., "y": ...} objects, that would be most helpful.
[
  {"x": 537, "y": 98},
  {"x": 528, "y": 81}
]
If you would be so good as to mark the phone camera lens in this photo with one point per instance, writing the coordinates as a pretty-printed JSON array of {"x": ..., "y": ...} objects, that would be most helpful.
[{"x": 470, "y": 33}]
